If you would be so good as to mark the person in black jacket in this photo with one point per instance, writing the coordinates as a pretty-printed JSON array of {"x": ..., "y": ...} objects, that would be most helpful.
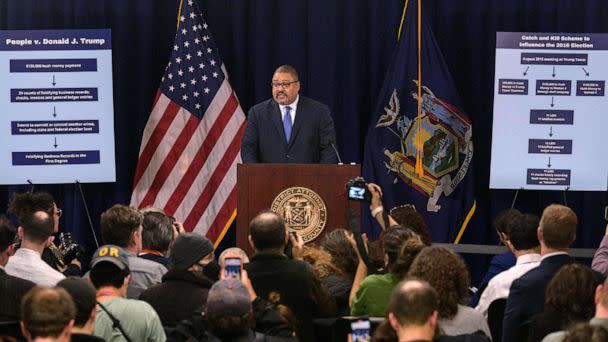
[
  {"x": 12, "y": 289},
  {"x": 289, "y": 128},
  {"x": 569, "y": 299},
  {"x": 184, "y": 288},
  {"x": 234, "y": 313},
  {"x": 231, "y": 316},
  {"x": 556, "y": 232},
  {"x": 85, "y": 300},
  {"x": 272, "y": 272}
]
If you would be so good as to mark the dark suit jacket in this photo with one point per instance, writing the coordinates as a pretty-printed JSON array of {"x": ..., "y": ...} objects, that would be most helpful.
[
  {"x": 545, "y": 323},
  {"x": 181, "y": 294},
  {"x": 499, "y": 263},
  {"x": 298, "y": 286},
  {"x": 527, "y": 295},
  {"x": 311, "y": 137},
  {"x": 12, "y": 289}
]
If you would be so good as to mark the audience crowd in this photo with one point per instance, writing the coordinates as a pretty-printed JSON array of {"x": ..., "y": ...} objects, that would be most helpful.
[{"x": 152, "y": 281}]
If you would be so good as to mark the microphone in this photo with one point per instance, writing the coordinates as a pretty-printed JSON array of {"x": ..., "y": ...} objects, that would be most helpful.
[{"x": 336, "y": 152}]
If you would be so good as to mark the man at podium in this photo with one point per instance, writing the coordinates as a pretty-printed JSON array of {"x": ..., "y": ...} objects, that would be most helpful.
[{"x": 289, "y": 128}]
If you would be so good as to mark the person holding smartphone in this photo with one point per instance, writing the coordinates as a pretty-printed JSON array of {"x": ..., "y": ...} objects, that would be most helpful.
[
  {"x": 232, "y": 310},
  {"x": 270, "y": 270}
]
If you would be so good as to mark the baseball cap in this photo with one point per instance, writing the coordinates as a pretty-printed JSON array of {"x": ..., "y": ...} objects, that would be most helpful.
[
  {"x": 228, "y": 297},
  {"x": 112, "y": 254},
  {"x": 84, "y": 296}
]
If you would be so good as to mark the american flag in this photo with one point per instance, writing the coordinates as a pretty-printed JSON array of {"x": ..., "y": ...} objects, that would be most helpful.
[{"x": 192, "y": 140}]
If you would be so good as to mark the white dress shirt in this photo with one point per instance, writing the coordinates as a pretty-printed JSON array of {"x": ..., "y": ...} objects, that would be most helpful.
[
  {"x": 293, "y": 106},
  {"x": 28, "y": 264},
  {"x": 499, "y": 286}
]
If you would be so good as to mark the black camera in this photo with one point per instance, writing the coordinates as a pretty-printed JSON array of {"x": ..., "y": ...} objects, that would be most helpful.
[
  {"x": 69, "y": 248},
  {"x": 356, "y": 190}
]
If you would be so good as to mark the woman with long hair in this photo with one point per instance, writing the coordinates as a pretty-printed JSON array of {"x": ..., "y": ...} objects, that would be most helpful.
[
  {"x": 447, "y": 273},
  {"x": 569, "y": 299}
]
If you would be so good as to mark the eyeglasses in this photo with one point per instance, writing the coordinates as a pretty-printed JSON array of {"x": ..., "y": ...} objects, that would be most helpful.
[
  {"x": 283, "y": 84},
  {"x": 210, "y": 256},
  {"x": 207, "y": 260},
  {"x": 59, "y": 212}
]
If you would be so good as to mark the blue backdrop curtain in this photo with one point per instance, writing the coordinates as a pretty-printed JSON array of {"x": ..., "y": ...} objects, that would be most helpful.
[{"x": 340, "y": 47}]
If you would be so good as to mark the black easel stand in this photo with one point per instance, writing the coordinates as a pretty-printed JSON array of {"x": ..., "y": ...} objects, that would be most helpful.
[
  {"x": 86, "y": 209},
  {"x": 515, "y": 197},
  {"x": 564, "y": 195}
]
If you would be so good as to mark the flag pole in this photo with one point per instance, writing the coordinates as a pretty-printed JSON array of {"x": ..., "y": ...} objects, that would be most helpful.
[
  {"x": 225, "y": 229},
  {"x": 465, "y": 223},
  {"x": 419, "y": 168},
  {"x": 179, "y": 13},
  {"x": 399, "y": 38},
  {"x": 402, "y": 20}
]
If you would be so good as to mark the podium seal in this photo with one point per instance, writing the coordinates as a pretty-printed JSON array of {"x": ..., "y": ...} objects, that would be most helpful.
[{"x": 303, "y": 211}]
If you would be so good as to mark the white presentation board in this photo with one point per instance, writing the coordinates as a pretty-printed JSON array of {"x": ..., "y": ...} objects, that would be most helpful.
[
  {"x": 550, "y": 112},
  {"x": 57, "y": 106}
]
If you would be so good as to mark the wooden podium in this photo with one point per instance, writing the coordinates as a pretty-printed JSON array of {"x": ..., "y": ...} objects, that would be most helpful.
[{"x": 259, "y": 184}]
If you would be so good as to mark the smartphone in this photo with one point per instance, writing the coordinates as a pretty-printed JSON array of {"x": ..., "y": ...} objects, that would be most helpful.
[
  {"x": 606, "y": 213},
  {"x": 232, "y": 270},
  {"x": 360, "y": 331}
]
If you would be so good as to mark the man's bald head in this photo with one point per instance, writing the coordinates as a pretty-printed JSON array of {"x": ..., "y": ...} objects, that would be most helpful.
[
  {"x": 47, "y": 312},
  {"x": 413, "y": 302},
  {"x": 267, "y": 231},
  {"x": 413, "y": 284},
  {"x": 37, "y": 226}
]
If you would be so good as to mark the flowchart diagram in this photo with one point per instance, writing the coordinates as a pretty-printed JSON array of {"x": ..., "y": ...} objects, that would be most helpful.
[
  {"x": 550, "y": 112},
  {"x": 57, "y": 104}
]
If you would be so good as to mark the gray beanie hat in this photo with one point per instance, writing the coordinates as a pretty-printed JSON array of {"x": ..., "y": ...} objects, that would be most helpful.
[
  {"x": 188, "y": 249},
  {"x": 228, "y": 297}
]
